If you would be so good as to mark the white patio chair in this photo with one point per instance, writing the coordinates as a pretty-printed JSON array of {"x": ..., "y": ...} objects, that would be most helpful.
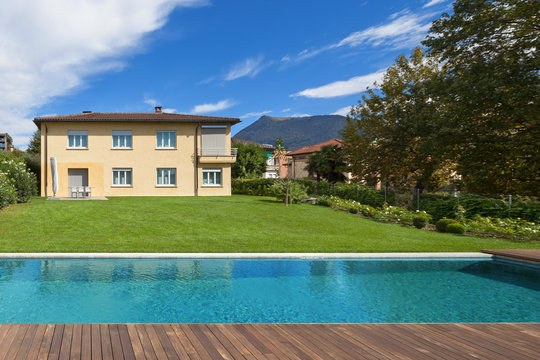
[
  {"x": 73, "y": 192},
  {"x": 80, "y": 190},
  {"x": 88, "y": 191}
]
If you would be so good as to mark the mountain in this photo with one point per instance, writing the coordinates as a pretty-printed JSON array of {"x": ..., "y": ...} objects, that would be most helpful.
[{"x": 296, "y": 132}]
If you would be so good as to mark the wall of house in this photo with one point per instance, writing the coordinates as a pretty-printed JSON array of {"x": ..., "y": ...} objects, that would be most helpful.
[
  {"x": 100, "y": 158},
  {"x": 297, "y": 169}
]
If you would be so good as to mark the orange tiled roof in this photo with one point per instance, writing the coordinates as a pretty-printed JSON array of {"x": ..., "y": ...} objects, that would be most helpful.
[{"x": 317, "y": 147}]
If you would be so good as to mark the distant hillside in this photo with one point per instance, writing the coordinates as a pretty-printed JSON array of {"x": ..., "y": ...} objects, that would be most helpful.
[{"x": 295, "y": 132}]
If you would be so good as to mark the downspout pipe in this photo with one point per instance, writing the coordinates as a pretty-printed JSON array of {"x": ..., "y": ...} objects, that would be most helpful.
[
  {"x": 196, "y": 162},
  {"x": 46, "y": 157}
]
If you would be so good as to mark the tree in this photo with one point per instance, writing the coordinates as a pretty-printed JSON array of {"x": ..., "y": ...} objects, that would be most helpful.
[
  {"x": 34, "y": 147},
  {"x": 395, "y": 134},
  {"x": 279, "y": 153},
  {"x": 491, "y": 91},
  {"x": 329, "y": 164},
  {"x": 9, "y": 141},
  {"x": 250, "y": 161}
]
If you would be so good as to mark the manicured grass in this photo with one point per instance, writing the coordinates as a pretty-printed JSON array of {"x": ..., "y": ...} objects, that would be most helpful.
[{"x": 213, "y": 224}]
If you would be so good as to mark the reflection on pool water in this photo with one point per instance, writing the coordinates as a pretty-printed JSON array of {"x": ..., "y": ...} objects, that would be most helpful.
[{"x": 267, "y": 290}]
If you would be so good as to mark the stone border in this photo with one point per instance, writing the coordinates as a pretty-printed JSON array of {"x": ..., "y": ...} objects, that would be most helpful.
[{"x": 243, "y": 255}]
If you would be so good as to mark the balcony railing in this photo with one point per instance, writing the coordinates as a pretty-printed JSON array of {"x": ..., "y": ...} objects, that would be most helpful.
[{"x": 218, "y": 152}]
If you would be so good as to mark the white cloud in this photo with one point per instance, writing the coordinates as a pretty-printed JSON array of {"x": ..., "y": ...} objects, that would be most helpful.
[
  {"x": 50, "y": 47},
  {"x": 208, "y": 108},
  {"x": 151, "y": 102},
  {"x": 255, "y": 114},
  {"x": 286, "y": 110},
  {"x": 249, "y": 67},
  {"x": 344, "y": 111},
  {"x": 299, "y": 115},
  {"x": 403, "y": 30},
  {"x": 354, "y": 85},
  {"x": 433, "y": 2},
  {"x": 169, "y": 110}
]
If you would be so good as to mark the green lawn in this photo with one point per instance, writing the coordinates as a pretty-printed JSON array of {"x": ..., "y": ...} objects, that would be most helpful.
[{"x": 212, "y": 224}]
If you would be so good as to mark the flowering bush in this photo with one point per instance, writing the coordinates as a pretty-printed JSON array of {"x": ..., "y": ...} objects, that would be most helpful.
[
  {"x": 8, "y": 193},
  {"x": 23, "y": 180},
  {"x": 401, "y": 215},
  {"x": 514, "y": 228}
]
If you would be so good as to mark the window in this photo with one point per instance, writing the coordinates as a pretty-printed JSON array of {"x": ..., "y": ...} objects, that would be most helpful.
[
  {"x": 122, "y": 177},
  {"x": 77, "y": 139},
  {"x": 214, "y": 138},
  {"x": 166, "y": 177},
  {"x": 166, "y": 139},
  {"x": 121, "y": 139},
  {"x": 211, "y": 177}
]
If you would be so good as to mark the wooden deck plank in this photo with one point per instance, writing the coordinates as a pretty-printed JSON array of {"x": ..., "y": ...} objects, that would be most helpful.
[
  {"x": 96, "y": 342},
  {"x": 269, "y": 341},
  {"x": 46, "y": 343},
  {"x": 532, "y": 255},
  {"x": 67, "y": 340}
]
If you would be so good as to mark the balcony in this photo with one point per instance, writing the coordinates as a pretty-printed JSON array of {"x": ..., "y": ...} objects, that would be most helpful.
[{"x": 217, "y": 156}]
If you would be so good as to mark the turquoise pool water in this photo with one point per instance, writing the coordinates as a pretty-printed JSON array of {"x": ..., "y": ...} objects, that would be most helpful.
[{"x": 248, "y": 291}]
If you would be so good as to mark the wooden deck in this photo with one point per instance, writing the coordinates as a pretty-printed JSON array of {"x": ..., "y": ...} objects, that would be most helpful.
[
  {"x": 269, "y": 341},
  {"x": 532, "y": 255}
]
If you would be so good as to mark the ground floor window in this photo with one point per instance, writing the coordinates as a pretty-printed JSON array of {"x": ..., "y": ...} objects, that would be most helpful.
[
  {"x": 166, "y": 177},
  {"x": 122, "y": 177},
  {"x": 211, "y": 177}
]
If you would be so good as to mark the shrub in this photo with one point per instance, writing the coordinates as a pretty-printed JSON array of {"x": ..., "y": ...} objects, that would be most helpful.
[
  {"x": 455, "y": 228},
  {"x": 8, "y": 193},
  {"x": 23, "y": 180},
  {"x": 401, "y": 215},
  {"x": 513, "y": 228},
  {"x": 368, "y": 211},
  {"x": 442, "y": 224},
  {"x": 297, "y": 191},
  {"x": 419, "y": 222}
]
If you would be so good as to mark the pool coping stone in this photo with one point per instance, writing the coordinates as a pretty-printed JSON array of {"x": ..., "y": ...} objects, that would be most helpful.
[{"x": 243, "y": 255}]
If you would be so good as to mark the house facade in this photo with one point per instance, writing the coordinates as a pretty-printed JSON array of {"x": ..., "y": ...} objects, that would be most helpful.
[{"x": 136, "y": 154}]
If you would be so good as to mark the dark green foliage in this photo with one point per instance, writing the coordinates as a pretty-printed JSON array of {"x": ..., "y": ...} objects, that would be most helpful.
[
  {"x": 328, "y": 164},
  {"x": 442, "y": 224},
  {"x": 491, "y": 92},
  {"x": 445, "y": 206},
  {"x": 455, "y": 228},
  {"x": 250, "y": 161},
  {"x": 295, "y": 132},
  {"x": 419, "y": 222}
]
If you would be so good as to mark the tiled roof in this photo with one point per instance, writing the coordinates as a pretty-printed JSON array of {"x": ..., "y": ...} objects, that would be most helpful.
[
  {"x": 242, "y": 141},
  {"x": 317, "y": 147},
  {"x": 136, "y": 117}
]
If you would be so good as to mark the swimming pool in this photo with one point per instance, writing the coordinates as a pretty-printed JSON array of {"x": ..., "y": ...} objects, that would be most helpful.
[{"x": 267, "y": 290}]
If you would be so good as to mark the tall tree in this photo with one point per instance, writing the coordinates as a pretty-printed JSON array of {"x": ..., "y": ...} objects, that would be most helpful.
[
  {"x": 250, "y": 161},
  {"x": 491, "y": 90},
  {"x": 34, "y": 147},
  {"x": 328, "y": 164},
  {"x": 394, "y": 134}
]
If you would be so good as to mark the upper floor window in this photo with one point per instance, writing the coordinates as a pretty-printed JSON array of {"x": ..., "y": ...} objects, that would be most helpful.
[
  {"x": 121, "y": 139},
  {"x": 77, "y": 139},
  {"x": 214, "y": 138},
  {"x": 166, "y": 139}
]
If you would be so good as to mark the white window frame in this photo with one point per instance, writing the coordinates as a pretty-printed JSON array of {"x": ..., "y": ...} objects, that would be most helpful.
[
  {"x": 168, "y": 172},
  {"x": 163, "y": 145},
  {"x": 212, "y": 171},
  {"x": 125, "y": 171},
  {"x": 123, "y": 136},
  {"x": 78, "y": 136}
]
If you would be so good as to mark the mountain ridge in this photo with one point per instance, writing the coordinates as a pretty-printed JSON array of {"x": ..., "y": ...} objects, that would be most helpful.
[{"x": 296, "y": 132}]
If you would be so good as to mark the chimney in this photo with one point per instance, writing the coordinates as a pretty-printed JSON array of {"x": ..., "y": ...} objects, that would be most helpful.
[{"x": 158, "y": 109}]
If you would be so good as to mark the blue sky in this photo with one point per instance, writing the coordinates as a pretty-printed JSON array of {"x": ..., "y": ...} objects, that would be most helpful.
[{"x": 224, "y": 58}]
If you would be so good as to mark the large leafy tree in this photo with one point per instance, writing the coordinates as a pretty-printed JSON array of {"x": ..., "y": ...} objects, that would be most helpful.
[
  {"x": 328, "y": 164},
  {"x": 250, "y": 161},
  {"x": 491, "y": 90},
  {"x": 395, "y": 133}
]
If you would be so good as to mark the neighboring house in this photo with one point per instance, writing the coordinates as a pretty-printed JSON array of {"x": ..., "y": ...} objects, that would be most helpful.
[
  {"x": 272, "y": 163},
  {"x": 137, "y": 154},
  {"x": 299, "y": 159},
  {"x": 3, "y": 142}
]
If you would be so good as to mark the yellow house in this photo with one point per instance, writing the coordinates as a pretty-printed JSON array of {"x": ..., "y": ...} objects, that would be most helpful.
[{"x": 136, "y": 154}]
